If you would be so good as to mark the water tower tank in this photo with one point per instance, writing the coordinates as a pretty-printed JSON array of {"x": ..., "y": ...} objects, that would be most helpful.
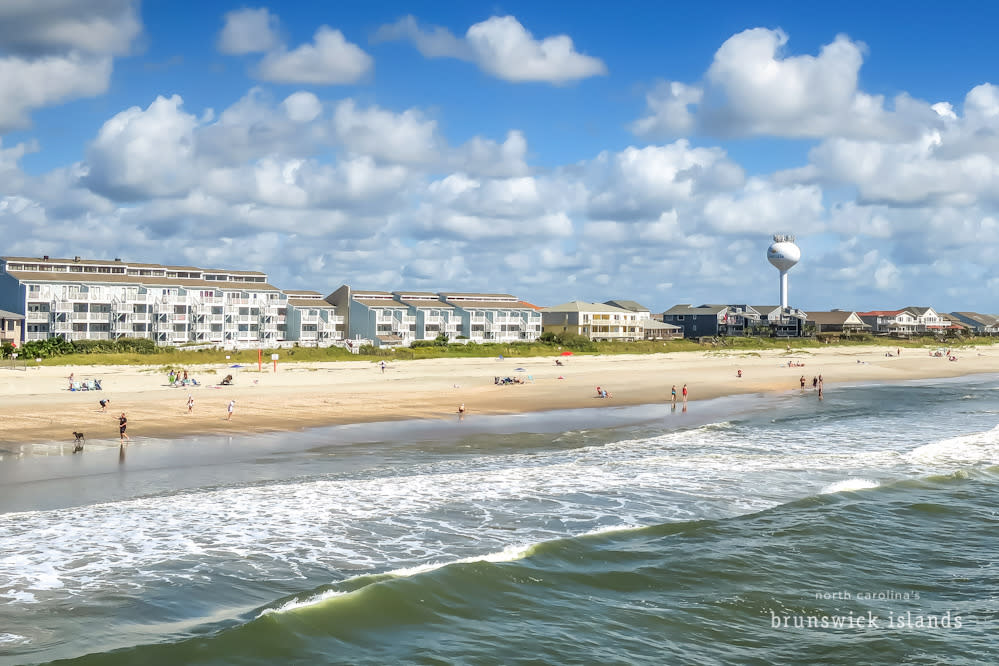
[{"x": 783, "y": 254}]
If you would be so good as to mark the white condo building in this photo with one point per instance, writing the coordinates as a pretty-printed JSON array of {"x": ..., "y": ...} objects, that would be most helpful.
[
  {"x": 398, "y": 318},
  {"x": 83, "y": 299}
]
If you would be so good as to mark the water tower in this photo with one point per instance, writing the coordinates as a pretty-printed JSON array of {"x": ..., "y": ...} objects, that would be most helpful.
[{"x": 783, "y": 254}]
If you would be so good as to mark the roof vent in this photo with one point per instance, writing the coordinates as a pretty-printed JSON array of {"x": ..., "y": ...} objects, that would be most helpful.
[
  {"x": 117, "y": 258},
  {"x": 76, "y": 258},
  {"x": 46, "y": 257}
]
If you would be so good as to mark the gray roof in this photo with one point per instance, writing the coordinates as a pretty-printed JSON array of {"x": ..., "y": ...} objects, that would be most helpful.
[
  {"x": 982, "y": 319},
  {"x": 687, "y": 309},
  {"x": 628, "y": 305},
  {"x": 655, "y": 325},
  {"x": 916, "y": 310},
  {"x": 583, "y": 306},
  {"x": 4, "y": 314},
  {"x": 830, "y": 317}
]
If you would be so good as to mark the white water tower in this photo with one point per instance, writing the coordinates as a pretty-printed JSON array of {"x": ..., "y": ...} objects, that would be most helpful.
[{"x": 783, "y": 254}]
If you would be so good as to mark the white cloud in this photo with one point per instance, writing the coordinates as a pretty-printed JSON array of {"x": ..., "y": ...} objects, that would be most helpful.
[
  {"x": 55, "y": 51},
  {"x": 302, "y": 107},
  {"x": 405, "y": 137},
  {"x": 502, "y": 47},
  {"x": 752, "y": 87},
  {"x": 28, "y": 84},
  {"x": 670, "y": 113},
  {"x": 140, "y": 154},
  {"x": 761, "y": 208},
  {"x": 34, "y": 27},
  {"x": 435, "y": 42},
  {"x": 642, "y": 183},
  {"x": 249, "y": 31},
  {"x": 329, "y": 60}
]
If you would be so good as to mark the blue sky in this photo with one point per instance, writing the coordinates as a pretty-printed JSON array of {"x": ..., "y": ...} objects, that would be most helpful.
[{"x": 551, "y": 150}]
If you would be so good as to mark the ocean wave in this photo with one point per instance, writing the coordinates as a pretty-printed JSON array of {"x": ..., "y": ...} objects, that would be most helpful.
[
  {"x": 848, "y": 486},
  {"x": 508, "y": 554},
  {"x": 979, "y": 447}
]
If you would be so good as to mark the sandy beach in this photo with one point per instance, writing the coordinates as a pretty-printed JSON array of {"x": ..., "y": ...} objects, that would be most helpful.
[{"x": 38, "y": 407}]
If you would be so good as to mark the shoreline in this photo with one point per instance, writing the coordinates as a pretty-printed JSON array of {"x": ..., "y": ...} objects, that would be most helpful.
[{"x": 39, "y": 409}]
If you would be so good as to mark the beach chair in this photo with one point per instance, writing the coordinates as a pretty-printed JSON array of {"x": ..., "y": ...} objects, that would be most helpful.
[
  {"x": 90, "y": 385},
  {"x": 97, "y": 385},
  {"x": 75, "y": 386}
]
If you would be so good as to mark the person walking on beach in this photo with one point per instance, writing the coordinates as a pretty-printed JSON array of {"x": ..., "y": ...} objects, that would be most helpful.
[
  {"x": 190, "y": 403},
  {"x": 232, "y": 406},
  {"x": 104, "y": 405},
  {"x": 674, "y": 394},
  {"x": 122, "y": 424},
  {"x": 383, "y": 367},
  {"x": 685, "y": 394},
  {"x": 802, "y": 381}
]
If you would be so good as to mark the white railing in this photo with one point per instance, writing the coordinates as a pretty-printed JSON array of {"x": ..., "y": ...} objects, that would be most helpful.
[{"x": 38, "y": 316}]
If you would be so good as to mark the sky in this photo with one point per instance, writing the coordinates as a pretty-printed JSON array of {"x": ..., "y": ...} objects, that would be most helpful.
[{"x": 556, "y": 151}]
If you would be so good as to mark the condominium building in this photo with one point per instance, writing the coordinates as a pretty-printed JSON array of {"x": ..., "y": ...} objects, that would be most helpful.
[
  {"x": 432, "y": 316},
  {"x": 83, "y": 299},
  {"x": 398, "y": 318},
  {"x": 312, "y": 321},
  {"x": 495, "y": 317}
]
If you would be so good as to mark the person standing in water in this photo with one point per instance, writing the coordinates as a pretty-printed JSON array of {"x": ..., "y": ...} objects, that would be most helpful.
[
  {"x": 122, "y": 425},
  {"x": 685, "y": 394},
  {"x": 674, "y": 394}
]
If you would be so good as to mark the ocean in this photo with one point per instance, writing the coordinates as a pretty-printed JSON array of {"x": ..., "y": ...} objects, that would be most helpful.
[{"x": 775, "y": 529}]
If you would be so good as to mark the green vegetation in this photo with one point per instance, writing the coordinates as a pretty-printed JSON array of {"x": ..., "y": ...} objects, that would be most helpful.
[{"x": 57, "y": 351}]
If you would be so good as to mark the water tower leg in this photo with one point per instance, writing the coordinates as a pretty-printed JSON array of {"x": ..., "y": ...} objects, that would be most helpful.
[{"x": 783, "y": 289}]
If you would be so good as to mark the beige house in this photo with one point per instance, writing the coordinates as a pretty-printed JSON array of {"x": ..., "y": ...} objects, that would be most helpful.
[
  {"x": 10, "y": 327},
  {"x": 596, "y": 321},
  {"x": 836, "y": 321}
]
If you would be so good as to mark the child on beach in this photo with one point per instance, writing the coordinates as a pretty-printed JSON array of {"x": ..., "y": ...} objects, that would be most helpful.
[
  {"x": 232, "y": 406},
  {"x": 104, "y": 405},
  {"x": 190, "y": 403},
  {"x": 122, "y": 424},
  {"x": 674, "y": 394}
]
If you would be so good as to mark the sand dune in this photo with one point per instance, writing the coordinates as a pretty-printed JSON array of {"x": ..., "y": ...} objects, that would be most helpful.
[{"x": 39, "y": 408}]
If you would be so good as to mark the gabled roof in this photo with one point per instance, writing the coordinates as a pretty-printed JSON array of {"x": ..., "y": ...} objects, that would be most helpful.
[
  {"x": 458, "y": 294},
  {"x": 880, "y": 313},
  {"x": 302, "y": 292},
  {"x": 4, "y": 314},
  {"x": 655, "y": 325},
  {"x": 428, "y": 304},
  {"x": 628, "y": 305},
  {"x": 830, "y": 317},
  {"x": 379, "y": 303},
  {"x": 531, "y": 305},
  {"x": 917, "y": 311},
  {"x": 310, "y": 303},
  {"x": 489, "y": 305},
  {"x": 688, "y": 309},
  {"x": 583, "y": 306},
  {"x": 978, "y": 318}
]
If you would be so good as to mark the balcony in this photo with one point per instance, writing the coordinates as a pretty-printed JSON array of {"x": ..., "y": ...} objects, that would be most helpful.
[{"x": 33, "y": 317}]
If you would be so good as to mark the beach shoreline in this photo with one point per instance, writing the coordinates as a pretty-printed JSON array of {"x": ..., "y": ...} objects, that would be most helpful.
[{"x": 40, "y": 409}]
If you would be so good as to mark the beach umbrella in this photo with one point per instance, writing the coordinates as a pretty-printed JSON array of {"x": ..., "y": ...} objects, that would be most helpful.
[
  {"x": 566, "y": 353},
  {"x": 521, "y": 369}
]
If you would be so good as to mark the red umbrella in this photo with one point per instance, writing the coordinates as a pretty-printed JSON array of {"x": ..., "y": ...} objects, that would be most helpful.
[{"x": 566, "y": 353}]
